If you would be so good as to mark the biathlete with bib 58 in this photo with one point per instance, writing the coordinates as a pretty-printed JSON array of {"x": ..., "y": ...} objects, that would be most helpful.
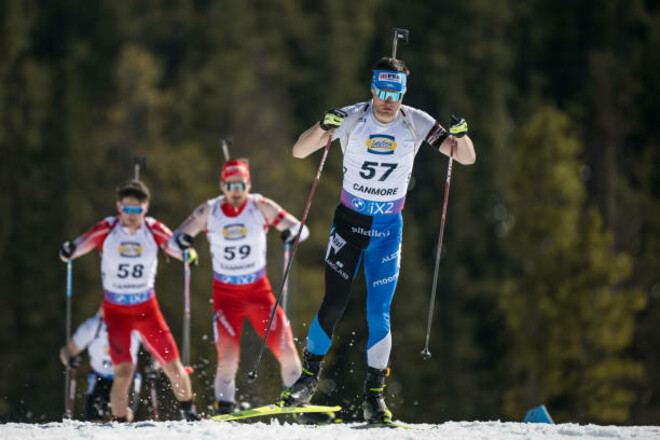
[
  {"x": 129, "y": 244},
  {"x": 236, "y": 224},
  {"x": 379, "y": 140}
]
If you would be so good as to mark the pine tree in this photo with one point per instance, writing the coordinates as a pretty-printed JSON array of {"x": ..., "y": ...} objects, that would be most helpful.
[{"x": 569, "y": 316}]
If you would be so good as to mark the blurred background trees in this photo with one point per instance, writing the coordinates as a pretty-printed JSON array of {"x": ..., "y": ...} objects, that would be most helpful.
[{"x": 548, "y": 288}]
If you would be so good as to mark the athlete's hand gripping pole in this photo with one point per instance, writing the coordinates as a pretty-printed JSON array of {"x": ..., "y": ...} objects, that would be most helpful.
[
  {"x": 252, "y": 375},
  {"x": 69, "y": 384},
  {"x": 425, "y": 353},
  {"x": 186, "y": 312}
]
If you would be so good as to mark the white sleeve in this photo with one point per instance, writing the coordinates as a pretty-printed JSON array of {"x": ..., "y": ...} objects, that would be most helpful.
[{"x": 86, "y": 332}]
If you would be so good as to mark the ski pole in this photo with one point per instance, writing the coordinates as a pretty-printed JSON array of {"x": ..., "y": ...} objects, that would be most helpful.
[
  {"x": 151, "y": 374},
  {"x": 425, "y": 353},
  {"x": 285, "y": 286},
  {"x": 252, "y": 375},
  {"x": 68, "y": 383},
  {"x": 186, "y": 312}
]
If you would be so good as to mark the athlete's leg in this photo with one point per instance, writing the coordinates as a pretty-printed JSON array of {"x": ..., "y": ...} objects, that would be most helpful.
[
  {"x": 227, "y": 328},
  {"x": 158, "y": 340},
  {"x": 341, "y": 262},
  {"x": 280, "y": 337},
  {"x": 119, "y": 340},
  {"x": 381, "y": 268},
  {"x": 123, "y": 375},
  {"x": 179, "y": 379}
]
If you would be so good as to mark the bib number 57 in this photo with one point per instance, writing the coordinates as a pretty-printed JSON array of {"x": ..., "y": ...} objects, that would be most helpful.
[{"x": 370, "y": 169}]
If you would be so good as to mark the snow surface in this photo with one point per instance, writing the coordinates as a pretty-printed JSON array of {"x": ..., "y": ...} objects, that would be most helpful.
[{"x": 275, "y": 430}]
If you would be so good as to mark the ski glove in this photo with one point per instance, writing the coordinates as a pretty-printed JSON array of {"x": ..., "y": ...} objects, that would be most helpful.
[
  {"x": 182, "y": 240},
  {"x": 333, "y": 118},
  {"x": 193, "y": 258},
  {"x": 288, "y": 236},
  {"x": 67, "y": 250},
  {"x": 459, "y": 126},
  {"x": 74, "y": 361}
]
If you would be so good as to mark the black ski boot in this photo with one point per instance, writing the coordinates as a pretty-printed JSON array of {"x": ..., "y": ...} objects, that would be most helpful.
[
  {"x": 303, "y": 389},
  {"x": 375, "y": 410},
  {"x": 223, "y": 407},
  {"x": 188, "y": 412}
]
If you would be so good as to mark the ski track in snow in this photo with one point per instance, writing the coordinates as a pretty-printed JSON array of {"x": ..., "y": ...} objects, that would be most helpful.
[{"x": 275, "y": 430}]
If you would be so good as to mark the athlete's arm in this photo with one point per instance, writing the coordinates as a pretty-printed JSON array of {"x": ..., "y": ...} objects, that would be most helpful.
[
  {"x": 312, "y": 139},
  {"x": 91, "y": 239},
  {"x": 440, "y": 139},
  {"x": 73, "y": 351},
  {"x": 463, "y": 153},
  {"x": 193, "y": 225},
  {"x": 196, "y": 222},
  {"x": 280, "y": 219}
]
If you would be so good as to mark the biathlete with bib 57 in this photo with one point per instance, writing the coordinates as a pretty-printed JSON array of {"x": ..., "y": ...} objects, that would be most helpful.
[
  {"x": 129, "y": 244},
  {"x": 379, "y": 140},
  {"x": 236, "y": 224}
]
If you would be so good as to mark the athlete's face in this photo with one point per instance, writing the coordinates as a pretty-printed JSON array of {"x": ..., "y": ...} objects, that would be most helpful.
[
  {"x": 235, "y": 189},
  {"x": 132, "y": 211},
  {"x": 385, "y": 110}
]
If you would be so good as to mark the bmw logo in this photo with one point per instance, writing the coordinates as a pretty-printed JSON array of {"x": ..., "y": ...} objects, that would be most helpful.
[{"x": 358, "y": 204}]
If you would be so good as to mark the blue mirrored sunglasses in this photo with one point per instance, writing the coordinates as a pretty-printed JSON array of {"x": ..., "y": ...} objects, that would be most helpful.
[
  {"x": 137, "y": 210},
  {"x": 384, "y": 94},
  {"x": 233, "y": 186}
]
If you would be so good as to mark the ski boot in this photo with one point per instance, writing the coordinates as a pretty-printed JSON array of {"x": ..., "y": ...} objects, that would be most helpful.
[
  {"x": 304, "y": 387},
  {"x": 223, "y": 407},
  {"x": 188, "y": 412},
  {"x": 374, "y": 408}
]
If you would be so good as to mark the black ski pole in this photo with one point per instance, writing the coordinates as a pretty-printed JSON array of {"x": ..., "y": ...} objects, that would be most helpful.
[
  {"x": 252, "y": 375},
  {"x": 425, "y": 353}
]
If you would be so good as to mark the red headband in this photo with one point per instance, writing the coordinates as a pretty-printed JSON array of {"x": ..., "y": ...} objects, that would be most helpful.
[{"x": 235, "y": 168}]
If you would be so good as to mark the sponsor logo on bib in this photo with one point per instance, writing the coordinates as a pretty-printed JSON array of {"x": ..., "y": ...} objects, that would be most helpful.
[
  {"x": 381, "y": 144},
  {"x": 130, "y": 249},
  {"x": 234, "y": 232}
]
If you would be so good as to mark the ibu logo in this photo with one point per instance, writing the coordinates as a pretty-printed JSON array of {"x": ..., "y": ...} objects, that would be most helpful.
[
  {"x": 130, "y": 249},
  {"x": 381, "y": 144},
  {"x": 234, "y": 232}
]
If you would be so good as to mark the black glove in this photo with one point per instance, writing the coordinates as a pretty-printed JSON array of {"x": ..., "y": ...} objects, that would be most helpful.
[
  {"x": 459, "y": 127},
  {"x": 333, "y": 118},
  {"x": 184, "y": 241},
  {"x": 67, "y": 250},
  {"x": 288, "y": 236},
  {"x": 74, "y": 361}
]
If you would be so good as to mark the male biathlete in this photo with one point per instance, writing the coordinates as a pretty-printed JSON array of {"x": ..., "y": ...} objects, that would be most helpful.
[
  {"x": 236, "y": 224},
  {"x": 129, "y": 244},
  {"x": 379, "y": 140}
]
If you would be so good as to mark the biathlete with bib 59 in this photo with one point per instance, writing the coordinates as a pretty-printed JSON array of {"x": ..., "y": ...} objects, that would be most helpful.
[
  {"x": 129, "y": 244},
  {"x": 379, "y": 140},
  {"x": 236, "y": 224}
]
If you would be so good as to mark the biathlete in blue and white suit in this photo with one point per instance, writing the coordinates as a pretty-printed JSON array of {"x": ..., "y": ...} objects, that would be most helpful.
[{"x": 379, "y": 140}]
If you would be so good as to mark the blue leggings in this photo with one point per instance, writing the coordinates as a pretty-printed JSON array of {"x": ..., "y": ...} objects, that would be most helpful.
[{"x": 377, "y": 241}]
